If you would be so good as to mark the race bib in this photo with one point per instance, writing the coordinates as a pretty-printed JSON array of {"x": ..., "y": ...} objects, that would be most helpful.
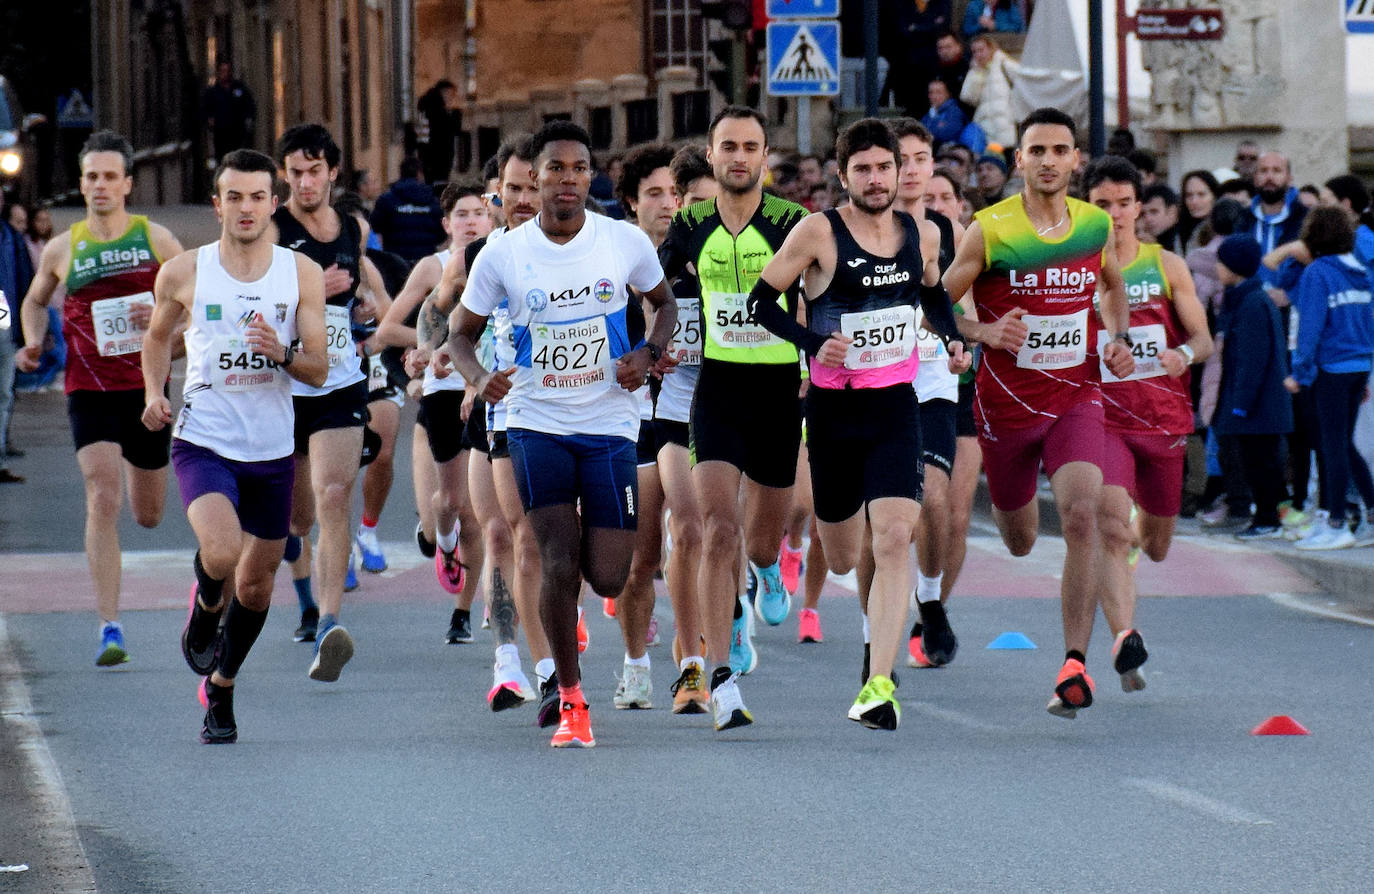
[
  {"x": 881, "y": 337},
  {"x": 115, "y": 331},
  {"x": 732, "y": 326},
  {"x": 1054, "y": 342},
  {"x": 4, "y": 312},
  {"x": 1150, "y": 342},
  {"x": 686, "y": 345},
  {"x": 339, "y": 334},
  {"x": 376, "y": 374},
  {"x": 236, "y": 368},
  {"x": 570, "y": 355},
  {"x": 929, "y": 347}
]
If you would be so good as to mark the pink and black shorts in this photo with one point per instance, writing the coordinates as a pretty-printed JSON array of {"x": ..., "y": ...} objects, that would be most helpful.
[
  {"x": 1149, "y": 466},
  {"x": 1012, "y": 457}
]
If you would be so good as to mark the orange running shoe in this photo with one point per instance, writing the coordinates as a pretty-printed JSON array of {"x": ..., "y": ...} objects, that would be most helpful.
[
  {"x": 582, "y": 638},
  {"x": 809, "y": 626},
  {"x": 608, "y": 607},
  {"x": 1072, "y": 691},
  {"x": 791, "y": 563},
  {"x": 574, "y": 728},
  {"x": 689, "y": 692},
  {"x": 916, "y": 653}
]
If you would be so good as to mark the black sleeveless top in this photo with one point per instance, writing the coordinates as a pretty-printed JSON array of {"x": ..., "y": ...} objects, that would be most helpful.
[
  {"x": 343, "y": 250},
  {"x": 946, "y": 237},
  {"x": 864, "y": 281}
]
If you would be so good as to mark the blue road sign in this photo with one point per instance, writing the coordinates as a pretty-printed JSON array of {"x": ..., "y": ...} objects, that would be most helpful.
[
  {"x": 1359, "y": 16},
  {"x": 802, "y": 9},
  {"x": 803, "y": 58}
]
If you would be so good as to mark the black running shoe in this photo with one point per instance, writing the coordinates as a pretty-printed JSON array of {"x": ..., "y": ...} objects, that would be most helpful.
[
  {"x": 550, "y": 705},
  {"x": 427, "y": 547},
  {"x": 1128, "y": 654},
  {"x": 937, "y": 639},
  {"x": 219, "y": 727},
  {"x": 459, "y": 627},
  {"x": 310, "y": 623},
  {"x": 863, "y": 679},
  {"x": 200, "y": 636}
]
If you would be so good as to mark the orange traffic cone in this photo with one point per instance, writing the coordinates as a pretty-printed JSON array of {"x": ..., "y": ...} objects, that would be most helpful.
[{"x": 1280, "y": 725}]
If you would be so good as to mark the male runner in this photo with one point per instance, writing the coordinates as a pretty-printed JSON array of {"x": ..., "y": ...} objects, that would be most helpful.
[
  {"x": 866, "y": 267},
  {"x": 256, "y": 314},
  {"x": 1034, "y": 262},
  {"x": 573, "y": 415},
  {"x": 646, "y": 191},
  {"x": 107, "y": 263},
  {"x": 746, "y": 416},
  {"x": 1150, "y": 413},
  {"x": 329, "y": 417}
]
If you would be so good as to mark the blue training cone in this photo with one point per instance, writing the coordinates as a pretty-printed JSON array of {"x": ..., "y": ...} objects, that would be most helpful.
[{"x": 1012, "y": 640}]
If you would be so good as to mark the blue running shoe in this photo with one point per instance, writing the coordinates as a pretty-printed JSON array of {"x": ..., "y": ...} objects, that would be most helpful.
[
  {"x": 112, "y": 651},
  {"x": 333, "y": 649},
  {"x": 743, "y": 656},
  {"x": 374, "y": 562},
  {"x": 351, "y": 579},
  {"x": 751, "y": 585},
  {"x": 773, "y": 602}
]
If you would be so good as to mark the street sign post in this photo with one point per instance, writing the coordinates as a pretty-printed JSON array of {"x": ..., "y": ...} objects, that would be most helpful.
[
  {"x": 803, "y": 58},
  {"x": 1180, "y": 24},
  {"x": 802, "y": 9}
]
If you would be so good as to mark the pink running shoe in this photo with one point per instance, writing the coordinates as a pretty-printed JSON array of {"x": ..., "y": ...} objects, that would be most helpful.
[
  {"x": 791, "y": 564},
  {"x": 809, "y": 626},
  {"x": 450, "y": 571}
]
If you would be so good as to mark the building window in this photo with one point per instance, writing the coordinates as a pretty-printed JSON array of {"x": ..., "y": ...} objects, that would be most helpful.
[
  {"x": 641, "y": 121},
  {"x": 599, "y": 124},
  {"x": 691, "y": 113},
  {"x": 488, "y": 141},
  {"x": 678, "y": 35}
]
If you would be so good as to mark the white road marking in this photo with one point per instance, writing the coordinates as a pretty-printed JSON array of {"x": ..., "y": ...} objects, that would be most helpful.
[
  {"x": 1198, "y": 803},
  {"x": 56, "y": 827},
  {"x": 957, "y": 717},
  {"x": 1307, "y": 604}
]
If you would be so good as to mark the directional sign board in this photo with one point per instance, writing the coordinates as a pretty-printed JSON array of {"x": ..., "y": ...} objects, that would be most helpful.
[
  {"x": 1359, "y": 16},
  {"x": 803, "y": 58},
  {"x": 1180, "y": 24},
  {"x": 802, "y": 9}
]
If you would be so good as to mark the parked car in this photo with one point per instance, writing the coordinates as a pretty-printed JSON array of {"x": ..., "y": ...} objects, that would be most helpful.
[{"x": 18, "y": 176}]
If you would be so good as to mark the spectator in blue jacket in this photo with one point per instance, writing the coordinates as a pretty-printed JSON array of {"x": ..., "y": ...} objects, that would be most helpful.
[
  {"x": 946, "y": 119},
  {"x": 1253, "y": 405},
  {"x": 1334, "y": 355},
  {"x": 1349, "y": 192},
  {"x": 407, "y": 217},
  {"x": 993, "y": 15}
]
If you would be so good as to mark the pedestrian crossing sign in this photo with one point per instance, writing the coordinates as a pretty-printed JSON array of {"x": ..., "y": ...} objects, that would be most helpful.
[
  {"x": 1359, "y": 16},
  {"x": 804, "y": 58}
]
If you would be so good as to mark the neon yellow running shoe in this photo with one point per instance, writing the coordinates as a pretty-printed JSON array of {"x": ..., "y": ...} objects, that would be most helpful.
[{"x": 877, "y": 706}]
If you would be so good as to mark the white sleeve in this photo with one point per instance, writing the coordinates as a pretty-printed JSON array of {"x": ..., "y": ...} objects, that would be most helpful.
[
  {"x": 645, "y": 271},
  {"x": 485, "y": 288}
]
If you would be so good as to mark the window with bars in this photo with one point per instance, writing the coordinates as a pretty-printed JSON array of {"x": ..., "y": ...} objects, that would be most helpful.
[{"x": 678, "y": 35}]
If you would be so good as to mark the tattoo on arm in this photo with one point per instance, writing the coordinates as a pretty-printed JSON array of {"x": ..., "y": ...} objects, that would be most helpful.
[
  {"x": 502, "y": 604},
  {"x": 431, "y": 326}
]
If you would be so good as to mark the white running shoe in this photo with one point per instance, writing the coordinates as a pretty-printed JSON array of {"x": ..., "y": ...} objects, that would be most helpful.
[
  {"x": 636, "y": 690},
  {"x": 728, "y": 706},
  {"x": 510, "y": 687},
  {"x": 1326, "y": 537}
]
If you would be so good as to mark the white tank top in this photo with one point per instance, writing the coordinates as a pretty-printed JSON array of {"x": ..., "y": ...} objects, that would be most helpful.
[
  {"x": 454, "y": 380},
  {"x": 933, "y": 379},
  {"x": 238, "y": 403}
]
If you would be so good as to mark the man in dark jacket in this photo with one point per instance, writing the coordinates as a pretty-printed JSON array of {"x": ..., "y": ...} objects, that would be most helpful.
[
  {"x": 1278, "y": 213},
  {"x": 407, "y": 217},
  {"x": 910, "y": 29},
  {"x": 229, "y": 111},
  {"x": 16, "y": 272},
  {"x": 436, "y": 129},
  {"x": 1253, "y": 405}
]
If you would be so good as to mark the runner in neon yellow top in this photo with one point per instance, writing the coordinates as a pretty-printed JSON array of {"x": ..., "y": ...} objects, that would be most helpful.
[{"x": 746, "y": 416}]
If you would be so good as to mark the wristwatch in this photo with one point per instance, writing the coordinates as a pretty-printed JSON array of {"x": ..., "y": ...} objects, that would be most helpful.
[
  {"x": 288, "y": 355},
  {"x": 1124, "y": 336},
  {"x": 1187, "y": 352},
  {"x": 655, "y": 352}
]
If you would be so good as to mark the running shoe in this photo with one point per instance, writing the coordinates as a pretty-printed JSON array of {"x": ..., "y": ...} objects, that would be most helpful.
[
  {"x": 938, "y": 641},
  {"x": 582, "y": 638},
  {"x": 877, "y": 706},
  {"x": 743, "y": 656},
  {"x": 574, "y": 728},
  {"x": 1073, "y": 690},
  {"x": 809, "y": 626},
  {"x": 728, "y": 705},
  {"x": 689, "y": 691},
  {"x": 772, "y": 602},
  {"x": 608, "y": 607},
  {"x": 200, "y": 636},
  {"x": 1260, "y": 532},
  {"x": 459, "y": 627},
  {"x": 310, "y": 623},
  {"x": 1221, "y": 518},
  {"x": 374, "y": 562},
  {"x": 1291, "y": 518},
  {"x": 1315, "y": 521},
  {"x": 351, "y": 577},
  {"x": 1128, "y": 654},
  {"x": 1325, "y": 537},
  {"x": 916, "y": 655},
  {"x": 450, "y": 571},
  {"x": 486, "y": 616},
  {"x": 791, "y": 563},
  {"x": 751, "y": 584},
  {"x": 651, "y": 636},
  {"x": 549, "y": 703},
  {"x": 1364, "y": 533},
  {"x": 510, "y": 688},
  {"x": 427, "y": 547},
  {"x": 112, "y": 651},
  {"x": 636, "y": 690},
  {"x": 333, "y": 649},
  {"x": 219, "y": 727}
]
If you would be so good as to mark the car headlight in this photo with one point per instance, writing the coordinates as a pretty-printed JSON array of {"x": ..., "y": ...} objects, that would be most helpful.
[{"x": 10, "y": 163}]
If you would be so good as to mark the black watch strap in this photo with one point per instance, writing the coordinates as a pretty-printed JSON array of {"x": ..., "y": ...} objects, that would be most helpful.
[
  {"x": 655, "y": 352},
  {"x": 289, "y": 355}
]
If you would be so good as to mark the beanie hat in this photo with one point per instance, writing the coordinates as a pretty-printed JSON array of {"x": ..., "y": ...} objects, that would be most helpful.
[
  {"x": 998, "y": 160},
  {"x": 1240, "y": 254}
]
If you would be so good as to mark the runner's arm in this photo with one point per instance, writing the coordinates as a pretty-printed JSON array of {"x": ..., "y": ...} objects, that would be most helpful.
[
  {"x": 1190, "y": 314},
  {"x": 393, "y": 331},
  {"x": 311, "y": 363},
  {"x": 935, "y": 303},
  {"x": 170, "y": 295},
  {"x": 433, "y": 324},
  {"x": 1116, "y": 314},
  {"x": 793, "y": 259}
]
